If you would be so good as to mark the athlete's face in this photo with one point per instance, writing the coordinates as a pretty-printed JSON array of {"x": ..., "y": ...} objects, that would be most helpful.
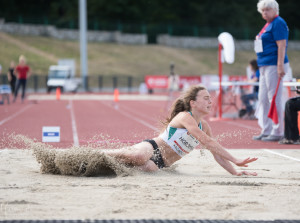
[
  {"x": 268, "y": 14},
  {"x": 203, "y": 102}
]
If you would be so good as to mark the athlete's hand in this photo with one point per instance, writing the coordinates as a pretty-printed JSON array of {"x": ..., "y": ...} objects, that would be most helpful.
[
  {"x": 246, "y": 173},
  {"x": 244, "y": 162}
]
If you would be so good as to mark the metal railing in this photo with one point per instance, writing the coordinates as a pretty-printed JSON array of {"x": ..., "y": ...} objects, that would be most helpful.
[{"x": 95, "y": 83}]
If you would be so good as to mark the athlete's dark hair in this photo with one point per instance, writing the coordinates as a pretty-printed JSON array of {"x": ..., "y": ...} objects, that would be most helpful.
[{"x": 183, "y": 102}]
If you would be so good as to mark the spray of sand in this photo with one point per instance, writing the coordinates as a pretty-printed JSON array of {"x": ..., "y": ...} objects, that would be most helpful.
[
  {"x": 85, "y": 161},
  {"x": 237, "y": 136},
  {"x": 89, "y": 160},
  {"x": 76, "y": 161}
]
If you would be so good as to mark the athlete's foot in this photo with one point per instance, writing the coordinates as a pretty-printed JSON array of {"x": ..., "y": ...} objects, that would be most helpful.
[{"x": 82, "y": 168}]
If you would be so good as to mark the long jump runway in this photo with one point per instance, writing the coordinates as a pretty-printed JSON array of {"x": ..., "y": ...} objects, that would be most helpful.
[
  {"x": 196, "y": 188},
  {"x": 130, "y": 120}
]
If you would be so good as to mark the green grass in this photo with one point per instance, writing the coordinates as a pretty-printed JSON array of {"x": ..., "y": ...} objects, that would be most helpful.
[{"x": 134, "y": 60}]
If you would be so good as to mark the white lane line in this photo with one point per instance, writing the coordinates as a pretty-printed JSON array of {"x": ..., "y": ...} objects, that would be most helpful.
[
  {"x": 133, "y": 117},
  {"x": 14, "y": 115},
  {"x": 74, "y": 128},
  {"x": 279, "y": 154}
]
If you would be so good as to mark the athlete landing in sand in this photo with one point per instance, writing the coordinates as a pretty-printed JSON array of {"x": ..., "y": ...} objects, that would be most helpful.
[{"x": 185, "y": 129}]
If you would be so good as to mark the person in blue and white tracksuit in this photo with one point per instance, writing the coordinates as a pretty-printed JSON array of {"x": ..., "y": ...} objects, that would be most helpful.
[{"x": 271, "y": 49}]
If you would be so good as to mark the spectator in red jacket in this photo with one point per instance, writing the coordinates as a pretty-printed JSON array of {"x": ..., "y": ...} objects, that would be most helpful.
[{"x": 23, "y": 72}]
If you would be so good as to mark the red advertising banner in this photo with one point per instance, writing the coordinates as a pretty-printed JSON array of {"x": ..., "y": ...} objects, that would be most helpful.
[
  {"x": 234, "y": 78},
  {"x": 237, "y": 78},
  {"x": 156, "y": 81},
  {"x": 161, "y": 81},
  {"x": 189, "y": 80}
]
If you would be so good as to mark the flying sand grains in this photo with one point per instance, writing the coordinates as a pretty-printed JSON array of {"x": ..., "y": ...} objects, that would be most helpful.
[
  {"x": 106, "y": 142},
  {"x": 76, "y": 161},
  {"x": 85, "y": 161},
  {"x": 46, "y": 157},
  {"x": 44, "y": 154},
  {"x": 223, "y": 138}
]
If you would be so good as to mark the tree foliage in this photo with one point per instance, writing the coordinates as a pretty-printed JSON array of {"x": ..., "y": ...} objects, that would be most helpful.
[{"x": 210, "y": 13}]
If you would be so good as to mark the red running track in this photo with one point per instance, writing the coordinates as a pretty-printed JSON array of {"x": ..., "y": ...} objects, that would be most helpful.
[{"x": 127, "y": 121}]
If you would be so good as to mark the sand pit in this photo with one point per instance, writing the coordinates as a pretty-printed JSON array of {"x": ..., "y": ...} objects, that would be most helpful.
[{"x": 195, "y": 188}]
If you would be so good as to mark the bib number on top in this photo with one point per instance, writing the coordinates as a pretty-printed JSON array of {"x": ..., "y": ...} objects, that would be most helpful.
[{"x": 258, "y": 46}]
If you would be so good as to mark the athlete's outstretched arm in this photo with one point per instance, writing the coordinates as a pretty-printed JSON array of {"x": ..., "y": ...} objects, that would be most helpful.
[
  {"x": 210, "y": 143},
  {"x": 227, "y": 166},
  {"x": 223, "y": 162}
]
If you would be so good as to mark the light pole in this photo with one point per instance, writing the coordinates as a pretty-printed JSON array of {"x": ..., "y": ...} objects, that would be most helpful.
[{"x": 83, "y": 42}]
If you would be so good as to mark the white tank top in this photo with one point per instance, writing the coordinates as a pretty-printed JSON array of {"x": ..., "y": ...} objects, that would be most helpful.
[{"x": 180, "y": 140}]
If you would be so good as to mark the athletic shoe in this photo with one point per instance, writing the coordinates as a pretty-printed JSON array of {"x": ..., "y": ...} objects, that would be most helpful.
[
  {"x": 259, "y": 137},
  {"x": 297, "y": 142},
  {"x": 286, "y": 141},
  {"x": 272, "y": 138},
  {"x": 289, "y": 141}
]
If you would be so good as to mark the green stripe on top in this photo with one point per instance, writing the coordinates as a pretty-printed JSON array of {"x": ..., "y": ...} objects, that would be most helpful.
[
  {"x": 200, "y": 124},
  {"x": 172, "y": 130}
]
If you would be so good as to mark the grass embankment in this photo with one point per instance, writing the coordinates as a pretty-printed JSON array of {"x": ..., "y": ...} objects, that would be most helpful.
[{"x": 116, "y": 59}]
